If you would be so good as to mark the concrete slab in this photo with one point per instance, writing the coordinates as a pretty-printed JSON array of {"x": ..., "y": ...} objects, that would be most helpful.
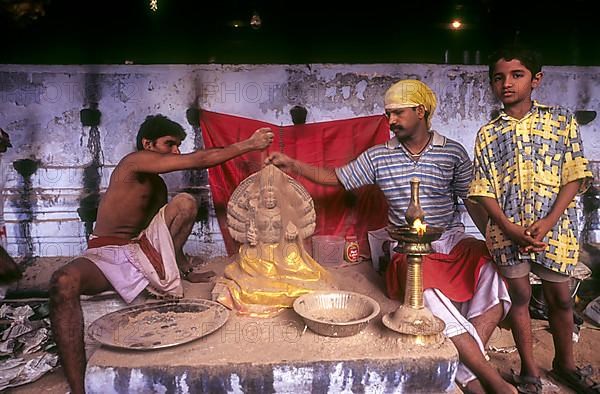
[{"x": 280, "y": 355}]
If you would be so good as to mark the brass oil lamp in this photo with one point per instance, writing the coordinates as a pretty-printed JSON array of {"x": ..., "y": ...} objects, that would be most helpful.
[{"x": 412, "y": 320}]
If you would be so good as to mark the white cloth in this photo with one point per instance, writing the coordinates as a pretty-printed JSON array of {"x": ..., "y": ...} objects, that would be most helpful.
[
  {"x": 128, "y": 269},
  {"x": 490, "y": 291},
  {"x": 444, "y": 245}
]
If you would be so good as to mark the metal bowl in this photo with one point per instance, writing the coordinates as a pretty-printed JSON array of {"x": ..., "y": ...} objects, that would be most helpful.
[{"x": 336, "y": 313}]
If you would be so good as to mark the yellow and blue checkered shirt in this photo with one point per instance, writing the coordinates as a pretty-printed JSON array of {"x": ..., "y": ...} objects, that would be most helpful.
[{"x": 522, "y": 163}]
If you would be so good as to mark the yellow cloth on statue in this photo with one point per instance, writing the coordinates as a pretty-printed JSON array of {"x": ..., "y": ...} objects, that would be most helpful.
[{"x": 267, "y": 278}]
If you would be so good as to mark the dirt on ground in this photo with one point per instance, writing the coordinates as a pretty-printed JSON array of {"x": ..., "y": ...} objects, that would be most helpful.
[{"x": 501, "y": 350}]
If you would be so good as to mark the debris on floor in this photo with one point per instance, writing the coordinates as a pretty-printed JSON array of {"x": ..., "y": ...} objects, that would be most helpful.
[{"x": 26, "y": 347}]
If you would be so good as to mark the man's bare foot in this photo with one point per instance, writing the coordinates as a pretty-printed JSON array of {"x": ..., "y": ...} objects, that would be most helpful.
[
  {"x": 193, "y": 272},
  {"x": 199, "y": 277}
]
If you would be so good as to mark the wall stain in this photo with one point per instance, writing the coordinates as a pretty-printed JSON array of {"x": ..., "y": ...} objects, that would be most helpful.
[
  {"x": 26, "y": 201},
  {"x": 196, "y": 180}
]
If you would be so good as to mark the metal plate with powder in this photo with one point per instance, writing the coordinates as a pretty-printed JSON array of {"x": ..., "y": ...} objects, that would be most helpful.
[{"x": 159, "y": 324}]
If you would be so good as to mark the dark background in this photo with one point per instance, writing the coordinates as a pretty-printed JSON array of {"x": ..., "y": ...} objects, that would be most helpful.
[{"x": 199, "y": 31}]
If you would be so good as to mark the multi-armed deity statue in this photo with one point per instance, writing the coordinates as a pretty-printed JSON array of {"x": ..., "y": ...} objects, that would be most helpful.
[{"x": 270, "y": 214}]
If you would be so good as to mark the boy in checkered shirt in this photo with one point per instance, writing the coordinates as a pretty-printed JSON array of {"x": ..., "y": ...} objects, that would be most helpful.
[{"x": 529, "y": 165}]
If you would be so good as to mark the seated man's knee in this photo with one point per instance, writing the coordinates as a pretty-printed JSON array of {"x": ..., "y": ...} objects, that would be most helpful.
[
  {"x": 186, "y": 204},
  {"x": 64, "y": 285}
]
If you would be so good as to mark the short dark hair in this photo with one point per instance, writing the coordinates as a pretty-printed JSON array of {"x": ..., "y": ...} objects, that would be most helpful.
[
  {"x": 156, "y": 126},
  {"x": 531, "y": 59}
]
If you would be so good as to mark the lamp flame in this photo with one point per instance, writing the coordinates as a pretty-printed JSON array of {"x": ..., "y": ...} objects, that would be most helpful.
[{"x": 420, "y": 227}]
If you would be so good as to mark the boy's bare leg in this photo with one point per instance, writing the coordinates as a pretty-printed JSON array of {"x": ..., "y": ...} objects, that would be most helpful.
[
  {"x": 80, "y": 276},
  {"x": 560, "y": 317},
  {"x": 180, "y": 214},
  {"x": 519, "y": 290}
]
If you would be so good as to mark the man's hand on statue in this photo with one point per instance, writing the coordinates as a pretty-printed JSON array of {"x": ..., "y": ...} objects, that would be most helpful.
[
  {"x": 261, "y": 138},
  {"x": 281, "y": 161}
]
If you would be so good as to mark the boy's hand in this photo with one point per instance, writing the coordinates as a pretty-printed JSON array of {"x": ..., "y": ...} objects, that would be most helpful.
[
  {"x": 538, "y": 231},
  {"x": 280, "y": 160},
  {"x": 522, "y": 237},
  {"x": 261, "y": 138}
]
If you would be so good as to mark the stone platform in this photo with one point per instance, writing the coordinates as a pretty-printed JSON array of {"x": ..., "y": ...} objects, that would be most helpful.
[{"x": 279, "y": 355}]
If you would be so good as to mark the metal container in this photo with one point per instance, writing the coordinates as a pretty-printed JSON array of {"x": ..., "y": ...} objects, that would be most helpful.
[
  {"x": 161, "y": 324},
  {"x": 591, "y": 209},
  {"x": 328, "y": 250},
  {"x": 336, "y": 313}
]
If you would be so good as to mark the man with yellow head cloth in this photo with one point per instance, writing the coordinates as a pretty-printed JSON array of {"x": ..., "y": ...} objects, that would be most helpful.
[{"x": 462, "y": 286}]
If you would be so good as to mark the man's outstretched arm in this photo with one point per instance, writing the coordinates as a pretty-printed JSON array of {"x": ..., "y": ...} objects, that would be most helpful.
[
  {"x": 320, "y": 175},
  {"x": 160, "y": 163}
]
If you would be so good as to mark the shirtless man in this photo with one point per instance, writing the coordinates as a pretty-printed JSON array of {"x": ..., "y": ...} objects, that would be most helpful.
[{"x": 138, "y": 239}]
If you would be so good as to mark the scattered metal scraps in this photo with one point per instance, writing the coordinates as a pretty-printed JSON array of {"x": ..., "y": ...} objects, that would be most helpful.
[
  {"x": 503, "y": 349},
  {"x": 17, "y": 371},
  {"x": 25, "y": 341}
]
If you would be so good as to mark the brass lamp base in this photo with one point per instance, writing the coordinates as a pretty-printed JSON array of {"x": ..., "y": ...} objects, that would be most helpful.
[{"x": 416, "y": 326}]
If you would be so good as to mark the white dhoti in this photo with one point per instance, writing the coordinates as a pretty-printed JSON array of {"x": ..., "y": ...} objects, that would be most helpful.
[
  {"x": 490, "y": 291},
  {"x": 128, "y": 268}
]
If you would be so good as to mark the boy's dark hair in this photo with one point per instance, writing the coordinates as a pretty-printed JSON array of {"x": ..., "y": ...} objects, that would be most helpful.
[
  {"x": 156, "y": 126},
  {"x": 532, "y": 60}
]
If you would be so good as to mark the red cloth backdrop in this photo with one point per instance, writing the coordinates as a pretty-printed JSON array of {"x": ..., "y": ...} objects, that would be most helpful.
[{"x": 325, "y": 144}]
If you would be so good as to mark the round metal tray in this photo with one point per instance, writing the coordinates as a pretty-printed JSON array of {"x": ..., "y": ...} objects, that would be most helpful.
[{"x": 160, "y": 324}]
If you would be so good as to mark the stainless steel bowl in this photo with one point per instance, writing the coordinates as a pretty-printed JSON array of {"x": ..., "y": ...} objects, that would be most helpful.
[{"x": 336, "y": 313}]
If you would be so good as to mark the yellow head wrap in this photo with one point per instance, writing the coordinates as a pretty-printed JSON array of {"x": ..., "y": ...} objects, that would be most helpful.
[{"x": 410, "y": 93}]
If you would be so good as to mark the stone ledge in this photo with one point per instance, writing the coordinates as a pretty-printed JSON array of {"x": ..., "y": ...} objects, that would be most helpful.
[
  {"x": 429, "y": 375},
  {"x": 280, "y": 355}
]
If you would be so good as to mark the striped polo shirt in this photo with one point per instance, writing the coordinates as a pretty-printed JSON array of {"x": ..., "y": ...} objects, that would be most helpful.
[{"x": 444, "y": 169}]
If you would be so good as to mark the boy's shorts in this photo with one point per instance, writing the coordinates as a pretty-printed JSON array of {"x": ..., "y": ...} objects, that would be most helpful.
[{"x": 522, "y": 269}]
